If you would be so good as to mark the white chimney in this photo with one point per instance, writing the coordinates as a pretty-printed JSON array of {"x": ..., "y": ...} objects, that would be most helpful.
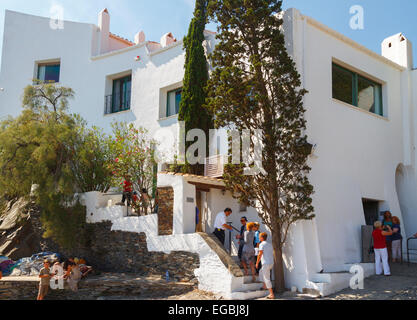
[
  {"x": 398, "y": 49},
  {"x": 104, "y": 26},
  {"x": 140, "y": 37},
  {"x": 167, "y": 39}
]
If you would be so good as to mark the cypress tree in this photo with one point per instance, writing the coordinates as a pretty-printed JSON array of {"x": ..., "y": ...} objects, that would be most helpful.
[
  {"x": 196, "y": 76},
  {"x": 255, "y": 86}
]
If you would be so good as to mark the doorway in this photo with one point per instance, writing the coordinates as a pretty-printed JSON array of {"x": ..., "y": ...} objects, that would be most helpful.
[
  {"x": 371, "y": 211},
  {"x": 199, "y": 211}
]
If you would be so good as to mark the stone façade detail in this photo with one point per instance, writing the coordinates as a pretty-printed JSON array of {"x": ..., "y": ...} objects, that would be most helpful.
[
  {"x": 165, "y": 211},
  {"x": 127, "y": 252},
  {"x": 120, "y": 251},
  {"x": 110, "y": 251}
]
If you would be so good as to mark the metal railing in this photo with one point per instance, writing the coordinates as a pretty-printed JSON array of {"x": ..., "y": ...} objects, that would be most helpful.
[
  {"x": 230, "y": 236},
  {"x": 114, "y": 103},
  {"x": 409, "y": 249},
  {"x": 214, "y": 166}
]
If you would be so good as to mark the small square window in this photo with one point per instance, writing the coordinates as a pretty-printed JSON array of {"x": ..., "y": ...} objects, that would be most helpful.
[{"x": 49, "y": 72}]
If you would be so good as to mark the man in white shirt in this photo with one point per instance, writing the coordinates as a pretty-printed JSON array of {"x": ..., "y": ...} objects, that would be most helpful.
[
  {"x": 220, "y": 225},
  {"x": 266, "y": 256}
]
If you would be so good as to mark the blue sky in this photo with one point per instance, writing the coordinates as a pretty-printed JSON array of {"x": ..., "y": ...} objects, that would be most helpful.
[{"x": 156, "y": 17}]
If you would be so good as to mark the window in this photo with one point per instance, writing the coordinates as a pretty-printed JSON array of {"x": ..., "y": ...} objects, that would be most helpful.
[
  {"x": 173, "y": 102},
  {"x": 352, "y": 88},
  {"x": 49, "y": 72},
  {"x": 120, "y": 99}
]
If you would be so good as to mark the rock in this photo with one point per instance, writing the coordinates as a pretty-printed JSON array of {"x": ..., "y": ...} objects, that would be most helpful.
[
  {"x": 107, "y": 250},
  {"x": 10, "y": 218},
  {"x": 18, "y": 238}
]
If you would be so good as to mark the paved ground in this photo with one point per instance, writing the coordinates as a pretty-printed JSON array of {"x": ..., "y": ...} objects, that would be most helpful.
[{"x": 402, "y": 285}]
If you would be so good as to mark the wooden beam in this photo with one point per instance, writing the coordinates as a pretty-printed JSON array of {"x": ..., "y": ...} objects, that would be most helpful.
[{"x": 202, "y": 186}]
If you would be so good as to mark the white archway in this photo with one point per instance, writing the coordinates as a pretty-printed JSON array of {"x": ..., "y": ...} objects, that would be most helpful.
[{"x": 406, "y": 186}]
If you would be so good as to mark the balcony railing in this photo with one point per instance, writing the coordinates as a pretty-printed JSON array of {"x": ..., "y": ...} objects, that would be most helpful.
[
  {"x": 214, "y": 166},
  {"x": 117, "y": 102}
]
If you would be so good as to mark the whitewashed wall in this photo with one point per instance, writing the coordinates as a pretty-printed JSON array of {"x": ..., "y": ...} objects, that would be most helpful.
[
  {"x": 29, "y": 39},
  {"x": 357, "y": 152}
]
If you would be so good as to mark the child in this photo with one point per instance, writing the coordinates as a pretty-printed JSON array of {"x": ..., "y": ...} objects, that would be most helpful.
[
  {"x": 127, "y": 192},
  {"x": 256, "y": 244},
  {"x": 74, "y": 276},
  {"x": 266, "y": 255},
  {"x": 248, "y": 251},
  {"x": 44, "y": 283},
  {"x": 144, "y": 201}
]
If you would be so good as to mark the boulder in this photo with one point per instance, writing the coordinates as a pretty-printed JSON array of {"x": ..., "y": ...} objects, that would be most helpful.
[
  {"x": 14, "y": 213},
  {"x": 17, "y": 237}
]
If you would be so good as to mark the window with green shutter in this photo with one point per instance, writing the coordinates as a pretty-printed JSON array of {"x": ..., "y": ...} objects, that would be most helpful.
[
  {"x": 357, "y": 90},
  {"x": 121, "y": 94}
]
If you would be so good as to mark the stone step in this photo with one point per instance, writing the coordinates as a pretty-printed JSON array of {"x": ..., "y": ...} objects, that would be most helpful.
[
  {"x": 249, "y": 295},
  {"x": 248, "y": 279},
  {"x": 316, "y": 293},
  {"x": 254, "y": 286}
]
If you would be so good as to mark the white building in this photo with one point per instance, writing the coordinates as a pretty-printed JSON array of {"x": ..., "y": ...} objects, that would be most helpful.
[{"x": 361, "y": 110}]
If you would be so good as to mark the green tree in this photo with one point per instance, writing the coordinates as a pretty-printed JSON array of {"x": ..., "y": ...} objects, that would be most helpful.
[
  {"x": 44, "y": 146},
  {"x": 132, "y": 156},
  {"x": 34, "y": 146},
  {"x": 91, "y": 152},
  {"x": 195, "y": 80},
  {"x": 255, "y": 86}
]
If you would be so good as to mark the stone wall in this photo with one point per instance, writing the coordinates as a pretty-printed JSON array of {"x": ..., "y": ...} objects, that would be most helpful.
[
  {"x": 165, "y": 211},
  {"x": 117, "y": 251}
]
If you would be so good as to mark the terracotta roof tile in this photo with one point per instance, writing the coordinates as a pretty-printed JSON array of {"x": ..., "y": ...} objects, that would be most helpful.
[{"x": 115, "y": 36}]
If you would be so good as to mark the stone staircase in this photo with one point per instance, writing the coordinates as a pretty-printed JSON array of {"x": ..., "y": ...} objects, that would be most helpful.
[
  {"x": 327, "y": 283},
  {"x": 249, "y": 290},
  {"x": 243, "y": 288}
]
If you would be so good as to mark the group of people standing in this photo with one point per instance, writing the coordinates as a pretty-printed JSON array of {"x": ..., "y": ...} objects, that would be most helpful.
[
  {"x": 387, "y": 241},
  {"x": 132, "y": 197},
  {"x": 254, "y": 252},
  {"x": 71, "y": 271}
]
